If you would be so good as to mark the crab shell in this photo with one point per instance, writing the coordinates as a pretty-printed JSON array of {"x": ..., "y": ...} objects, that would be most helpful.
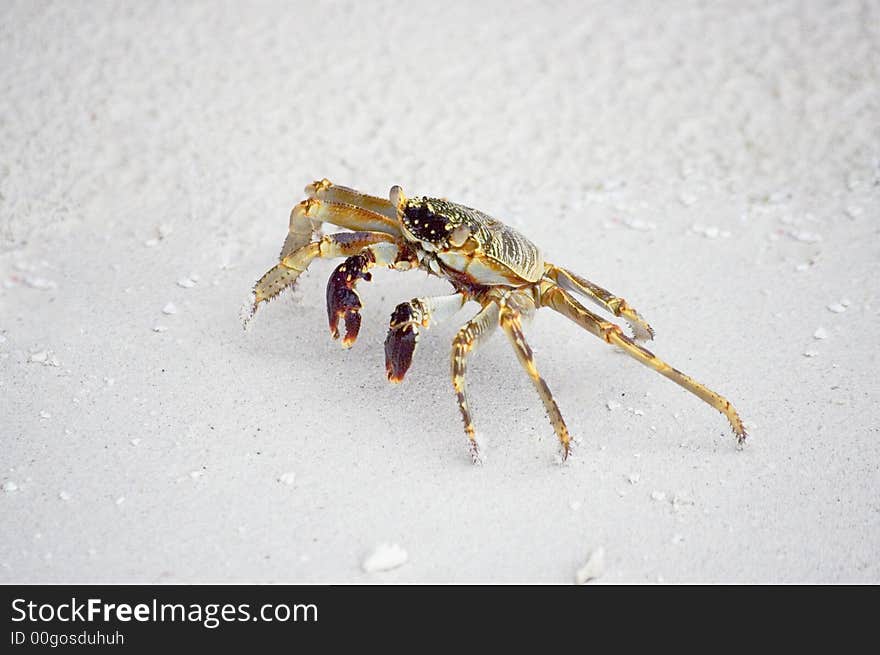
[{"x": 480, "y": 249}]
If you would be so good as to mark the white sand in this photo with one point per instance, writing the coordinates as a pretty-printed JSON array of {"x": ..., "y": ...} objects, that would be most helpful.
[{"x": 718, "y": 165}]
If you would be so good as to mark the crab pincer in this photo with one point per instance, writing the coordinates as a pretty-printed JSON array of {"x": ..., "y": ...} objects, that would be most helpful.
[
  {"x": 400, "y": 344},
  {"x": 343, "y": 302}
]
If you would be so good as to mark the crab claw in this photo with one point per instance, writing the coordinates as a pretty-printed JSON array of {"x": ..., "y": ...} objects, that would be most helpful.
[
  {"x": 400, "y": 344},
  {"x": 399, "y": 348},
  {"x": 343, "y": 302}
]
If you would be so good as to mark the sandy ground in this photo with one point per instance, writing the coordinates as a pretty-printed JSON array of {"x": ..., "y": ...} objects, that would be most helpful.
[{"x": 716, "y": 163}]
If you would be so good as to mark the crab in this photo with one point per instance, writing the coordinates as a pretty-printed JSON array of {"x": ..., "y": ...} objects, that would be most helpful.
[{"x": 485, "y": 261}]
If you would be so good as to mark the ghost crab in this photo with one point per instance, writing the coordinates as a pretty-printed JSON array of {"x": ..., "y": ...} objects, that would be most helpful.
[{"x": 484, "y": 260}]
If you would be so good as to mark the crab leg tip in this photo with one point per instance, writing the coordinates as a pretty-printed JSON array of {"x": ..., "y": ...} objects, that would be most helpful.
[
  {"x": 248, "y": 309},
  {"x": 565, "y": 453},
  {"x": 474, "y": 446},
  {"x": 736, "y": 424},
  {"x": 645, "y": 334}
]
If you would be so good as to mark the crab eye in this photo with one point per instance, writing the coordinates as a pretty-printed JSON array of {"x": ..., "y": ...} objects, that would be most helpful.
[
  {"x": 396, "y": 196},
  {"x": 424, "y": 224}
]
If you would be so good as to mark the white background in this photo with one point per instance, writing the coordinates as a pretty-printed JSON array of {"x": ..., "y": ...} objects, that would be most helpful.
[{"x": 716, "y": 163}]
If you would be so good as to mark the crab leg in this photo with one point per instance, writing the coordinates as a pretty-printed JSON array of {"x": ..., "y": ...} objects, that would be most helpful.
[
  {"x": 291, "y": 266},
  {"x": 561, "y": 301},
  {"x": 339, "y": 205},
  {"x": 403, "y": 333},
  {"x": 511, "y": 323},
  {"x": 343, "y": 301},
  {"x": 469, "y": 337},
  {"x": 327, "y": 191},
  {"x": 307, "y": 216},
  {"x": 605, "y": 299}
]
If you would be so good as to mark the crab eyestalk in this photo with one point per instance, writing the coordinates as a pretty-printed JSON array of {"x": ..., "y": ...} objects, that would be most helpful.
[
  {"x": 397, "y": 198},
  {"x": 400, "y": 344},
  {"x": 343, "y": 302}
]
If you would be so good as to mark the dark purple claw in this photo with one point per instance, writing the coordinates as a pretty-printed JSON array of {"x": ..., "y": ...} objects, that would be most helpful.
[
  {"x": 399, "y": 348},
  {"x": 343, "y": 302},
  {"x": 400, "y": 344}
]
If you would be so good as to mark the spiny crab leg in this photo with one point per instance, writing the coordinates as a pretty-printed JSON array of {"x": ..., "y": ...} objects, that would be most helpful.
[
  {"x": 513, "y": 309},
  {"x": 326, "y": 191},
  {"x": 339, "y": 205},
  {"x": 560, "y": 300},
  {"x": 466, "y": 340},
  {"x": 343, "y": 301},
  {"x": 307, "y": 216},
  {"x": 285, "y": 273},
  {"x": 602, "y": 297},
  {"x": 403, "y": 332}
]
